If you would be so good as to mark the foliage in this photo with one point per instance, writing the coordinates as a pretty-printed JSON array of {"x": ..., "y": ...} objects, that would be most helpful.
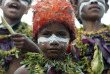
[
  {"x": 35, "y": 62},
  {"x": 23, "y": 29}
]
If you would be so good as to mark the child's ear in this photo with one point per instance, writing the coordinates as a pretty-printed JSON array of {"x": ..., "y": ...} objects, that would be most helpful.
[{"x": 106, "y": 8}]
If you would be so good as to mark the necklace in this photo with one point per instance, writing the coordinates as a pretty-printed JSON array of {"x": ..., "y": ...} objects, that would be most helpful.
[
  {"x": 89, "y": 43},
  {"x": 99, "y": 32},
  {"x": 23, "y": 29},
  {"x": 37, "y": 64}
]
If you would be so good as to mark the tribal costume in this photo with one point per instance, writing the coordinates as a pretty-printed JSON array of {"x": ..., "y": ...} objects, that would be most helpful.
[
  {"x": 45, "y": 12},
  {"x": 7, "y": 48},
  {"x": 96, "y": 47}
]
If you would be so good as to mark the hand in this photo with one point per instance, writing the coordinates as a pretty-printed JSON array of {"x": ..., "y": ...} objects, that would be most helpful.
[{"x": 22, "y": 42}]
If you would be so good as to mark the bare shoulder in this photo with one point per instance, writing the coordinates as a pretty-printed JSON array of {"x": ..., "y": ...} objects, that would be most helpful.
[{"x": 21, "y": 70}]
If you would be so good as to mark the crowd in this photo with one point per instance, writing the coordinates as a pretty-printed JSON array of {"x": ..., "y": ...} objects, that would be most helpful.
[{"x": 54, "y": 45}]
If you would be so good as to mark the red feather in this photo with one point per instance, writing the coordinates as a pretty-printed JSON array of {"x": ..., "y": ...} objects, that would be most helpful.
[{"x": 53, "y": 10}]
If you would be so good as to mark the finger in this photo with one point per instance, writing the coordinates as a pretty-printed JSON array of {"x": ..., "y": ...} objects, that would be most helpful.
[
  {"x": 18, "y": 39},
  {"x": 17, "y": 35},
  {"x": 18, "y": 43}
]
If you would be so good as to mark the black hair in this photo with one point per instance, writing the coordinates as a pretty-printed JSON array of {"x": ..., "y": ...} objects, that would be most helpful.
[{"x": 76, "y": 1}]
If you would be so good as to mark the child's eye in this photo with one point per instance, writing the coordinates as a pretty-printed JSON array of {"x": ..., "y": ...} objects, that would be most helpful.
[
  {"x": 61, "y": 34},
  {"x": 46, "y": 33}
]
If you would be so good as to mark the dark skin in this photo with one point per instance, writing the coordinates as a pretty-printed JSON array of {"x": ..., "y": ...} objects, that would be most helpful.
[
  {"x": 54, "y": 50},
  {"x": 94, "y": 20},
  {"x": 48, "y": 48},
  {"x": 21, "y": 41},
  {"x": 13, "y": 16},
  {"x": 91, "y": 17}
]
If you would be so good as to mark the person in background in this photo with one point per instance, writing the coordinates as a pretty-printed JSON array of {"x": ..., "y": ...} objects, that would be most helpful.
[
  {"x": 12, "y": 44},
  {"x": 93, "y": 40}
]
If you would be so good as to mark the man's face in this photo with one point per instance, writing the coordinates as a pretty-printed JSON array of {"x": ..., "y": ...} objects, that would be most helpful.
[
  {"x": 91, "y": 8},
  {"x": 14, "y": 8},
  {"x": 53, "y": 40}
]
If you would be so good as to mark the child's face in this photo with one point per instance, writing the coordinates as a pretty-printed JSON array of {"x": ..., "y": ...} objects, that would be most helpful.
[
  {"x": 53, "y": 40},
  {"x": 14, "y": 8},
  {"x": 91, "y": 8}
]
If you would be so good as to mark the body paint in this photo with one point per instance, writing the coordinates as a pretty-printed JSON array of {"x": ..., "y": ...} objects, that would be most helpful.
[
  {"x": 53, "y": 38},
  {"x": 6, "y": 2},
  {"x": 82, "y": 4}
]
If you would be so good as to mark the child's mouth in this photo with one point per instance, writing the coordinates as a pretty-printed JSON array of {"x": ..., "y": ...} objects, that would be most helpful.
[
  {"x": 94, "y": 7},
  {"x": 14, "y": 6},
  {"x": 54, "y": 50}
]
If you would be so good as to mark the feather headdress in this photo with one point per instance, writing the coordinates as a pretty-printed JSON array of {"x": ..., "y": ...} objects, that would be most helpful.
[{"x": 46, "y": 11}]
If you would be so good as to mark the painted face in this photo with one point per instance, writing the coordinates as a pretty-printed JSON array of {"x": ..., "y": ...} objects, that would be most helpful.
[
  {"x": 14, "y": 8},
  {"x": 53, "y": 40},
  {"x": 83, "y": 3},
  {"x": 23, "y": 2}
]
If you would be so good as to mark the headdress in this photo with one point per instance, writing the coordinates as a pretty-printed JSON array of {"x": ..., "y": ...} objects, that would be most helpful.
[{"x": 60, "y": 11}]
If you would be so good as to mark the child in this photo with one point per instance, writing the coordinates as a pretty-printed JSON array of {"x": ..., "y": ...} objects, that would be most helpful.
[
  {"x": 13, "y": 10},
  {"x": 95, "y": 35},
  {"x": 53, "y": 31}
]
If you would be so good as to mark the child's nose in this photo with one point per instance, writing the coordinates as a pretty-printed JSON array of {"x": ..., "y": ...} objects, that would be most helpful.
[
  {"x": 54, "y": 42},
  {"x": 94, "y": 1}
]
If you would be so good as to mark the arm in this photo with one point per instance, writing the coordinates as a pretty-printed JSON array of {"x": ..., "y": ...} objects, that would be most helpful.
[
  {"x": 21, "y": 70},
  {"x": 22, "y": 42}
]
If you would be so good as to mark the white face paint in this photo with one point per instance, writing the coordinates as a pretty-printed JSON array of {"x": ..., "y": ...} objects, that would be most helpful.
[
  {"x": 53, "y": 38},
  {"x": 88, "y": 3},
  {"x": 21, "y": 1},
  {"x": 6, "y": 2}
]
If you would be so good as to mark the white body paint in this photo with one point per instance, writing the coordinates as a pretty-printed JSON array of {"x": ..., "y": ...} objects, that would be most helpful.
[
  {"x": 88, "y": 3},
  {"x": 6, "y": 2},
  {"x": 21, "y": 1},
  {"x": 53, "y": 38}
]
